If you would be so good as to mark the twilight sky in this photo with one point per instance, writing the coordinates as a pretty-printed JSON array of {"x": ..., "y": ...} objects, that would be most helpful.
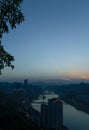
[{"x": 52, "y": 42}]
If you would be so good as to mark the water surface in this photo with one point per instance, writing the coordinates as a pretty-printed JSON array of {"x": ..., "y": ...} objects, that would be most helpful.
[{"x": 74, "y": 119}]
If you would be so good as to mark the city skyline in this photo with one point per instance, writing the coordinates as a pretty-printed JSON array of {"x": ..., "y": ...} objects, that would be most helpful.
[{"x": 52, "y": 42}]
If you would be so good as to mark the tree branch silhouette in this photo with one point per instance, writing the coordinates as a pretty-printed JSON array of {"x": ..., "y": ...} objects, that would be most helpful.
[{"x": 10, "y": 17}]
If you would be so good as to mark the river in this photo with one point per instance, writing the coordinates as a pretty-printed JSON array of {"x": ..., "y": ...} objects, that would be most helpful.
[{"x": 72, "y": 118}]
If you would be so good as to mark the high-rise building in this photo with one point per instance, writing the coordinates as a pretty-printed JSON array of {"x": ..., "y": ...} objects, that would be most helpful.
[
  {"x": 52, "y": 115},
  {"x": 44, "y": 116},
  {"x": 55, "y": 114},
  {"x": 25, "y": 82}
]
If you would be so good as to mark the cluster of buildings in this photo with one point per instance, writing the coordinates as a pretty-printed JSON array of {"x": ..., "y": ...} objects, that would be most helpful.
[{"x": 52, "y": 115}]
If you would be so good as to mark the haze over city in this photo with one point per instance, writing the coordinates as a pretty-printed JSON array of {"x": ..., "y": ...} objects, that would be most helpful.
[{"x": 52, "y": 42}]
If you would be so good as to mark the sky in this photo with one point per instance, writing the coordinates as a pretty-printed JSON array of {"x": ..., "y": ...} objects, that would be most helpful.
[{"x": 52, "y": 42}]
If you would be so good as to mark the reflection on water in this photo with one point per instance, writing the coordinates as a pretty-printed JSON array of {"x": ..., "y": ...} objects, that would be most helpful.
[
  {"x": 37, "y": 102},
  {"x": 73, "y": 118}
]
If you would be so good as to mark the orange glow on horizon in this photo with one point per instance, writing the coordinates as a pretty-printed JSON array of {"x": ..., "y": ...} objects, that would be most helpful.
[
  {"x": 75, "y": 75},
  {"x": 79, "y": 76},
  {"x": 84, "y": 76}
]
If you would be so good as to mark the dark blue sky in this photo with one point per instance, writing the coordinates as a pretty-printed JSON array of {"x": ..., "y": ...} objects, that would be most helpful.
[{"x": 52, "y": 42}]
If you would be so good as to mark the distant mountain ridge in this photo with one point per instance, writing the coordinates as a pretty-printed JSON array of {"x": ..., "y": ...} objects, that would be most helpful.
[{"x": 57, "y": 82}]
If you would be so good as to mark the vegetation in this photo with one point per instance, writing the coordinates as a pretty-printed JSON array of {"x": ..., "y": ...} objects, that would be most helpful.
[
  {"x": 12, "y": 110},
  {"x": 10, "y": 17}
]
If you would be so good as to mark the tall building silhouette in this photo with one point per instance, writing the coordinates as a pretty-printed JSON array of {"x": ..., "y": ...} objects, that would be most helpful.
[
  {"x": 25, "y": 82},
  {"x": 55, "y": 114},
  {"x": 44, "y": 116},
  {"x": 52, "y": 115}
]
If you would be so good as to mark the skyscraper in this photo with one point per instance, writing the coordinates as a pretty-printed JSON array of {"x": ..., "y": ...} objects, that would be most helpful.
[
  {"x": 44, "y": 116},
  {"x": 52, "y": 115},
  {"x": 25, "y": 82},
  {"x": 55, "y": 114}
]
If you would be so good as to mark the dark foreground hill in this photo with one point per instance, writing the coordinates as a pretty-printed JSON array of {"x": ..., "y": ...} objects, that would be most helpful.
[{"x": 11, "y": 119}]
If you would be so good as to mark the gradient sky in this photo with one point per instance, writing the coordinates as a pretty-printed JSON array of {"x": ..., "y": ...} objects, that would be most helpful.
[{"x": 52, "y": 42}]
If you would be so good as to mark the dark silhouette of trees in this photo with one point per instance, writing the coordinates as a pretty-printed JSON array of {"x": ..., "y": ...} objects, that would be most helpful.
[{"x": 10, "y": 17}]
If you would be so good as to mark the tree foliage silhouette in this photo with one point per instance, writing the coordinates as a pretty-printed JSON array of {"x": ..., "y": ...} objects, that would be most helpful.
[{"x": 10, "y": 17}]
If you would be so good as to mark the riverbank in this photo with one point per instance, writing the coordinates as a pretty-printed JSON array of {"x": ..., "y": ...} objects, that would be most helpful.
[
  {"x": 73, "y": 118},
  {"x": 38, "y": 102},
  {"x": 78, "y": 106}
]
